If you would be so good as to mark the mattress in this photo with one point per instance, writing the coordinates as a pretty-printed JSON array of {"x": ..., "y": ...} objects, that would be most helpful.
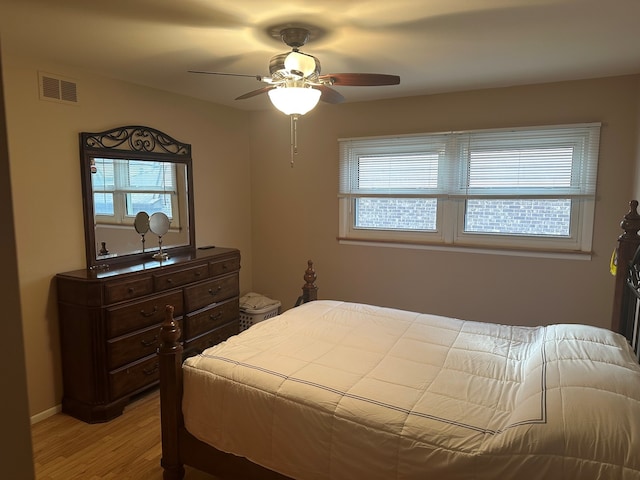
[{"x": 335, "y": 390}]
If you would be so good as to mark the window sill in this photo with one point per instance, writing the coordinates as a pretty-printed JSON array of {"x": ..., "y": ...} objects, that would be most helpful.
[{"x": 505, "y": 251}]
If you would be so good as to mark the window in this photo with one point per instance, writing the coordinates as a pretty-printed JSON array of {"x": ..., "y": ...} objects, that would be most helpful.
[
  {"x": 530, "y": 188},
  {"x": 122, "y": 188}
]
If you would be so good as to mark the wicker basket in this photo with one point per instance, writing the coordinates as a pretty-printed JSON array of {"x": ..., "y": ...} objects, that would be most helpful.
[{"x": 250, "y": 317}]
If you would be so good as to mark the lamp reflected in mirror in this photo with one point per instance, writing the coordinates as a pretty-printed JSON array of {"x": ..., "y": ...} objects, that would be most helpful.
[
  {"x": 141, "y": 224},
  {"x": 159, "y": 224}
]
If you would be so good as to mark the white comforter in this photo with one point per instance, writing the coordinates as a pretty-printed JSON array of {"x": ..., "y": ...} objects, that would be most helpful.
[{"x": 334, "y": 390}]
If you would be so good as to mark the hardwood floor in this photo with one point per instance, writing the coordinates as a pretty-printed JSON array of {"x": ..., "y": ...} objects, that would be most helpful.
[{"x": 126, "y": 448}]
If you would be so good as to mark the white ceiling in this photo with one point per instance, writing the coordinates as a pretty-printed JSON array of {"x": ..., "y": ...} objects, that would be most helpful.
[{"x": 433, "y": 45}]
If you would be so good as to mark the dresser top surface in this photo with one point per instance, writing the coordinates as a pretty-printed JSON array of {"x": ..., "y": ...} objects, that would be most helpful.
[{"x": 151, "y": 265}]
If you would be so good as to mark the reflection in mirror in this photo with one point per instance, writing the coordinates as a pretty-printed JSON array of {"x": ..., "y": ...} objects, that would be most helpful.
[
  {"x": 129, "y": 175},
  {"x": 124, "y": 188},
  {"x": 141, "y": 224},
  {"x": 159, "y": 224}
]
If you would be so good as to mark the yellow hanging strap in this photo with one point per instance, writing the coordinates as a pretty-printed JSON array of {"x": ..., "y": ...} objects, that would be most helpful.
[{"x": 613, "y": 264}]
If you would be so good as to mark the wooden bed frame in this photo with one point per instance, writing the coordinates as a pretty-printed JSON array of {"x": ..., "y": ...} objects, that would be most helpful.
[
  {"x": 626, "y": 300},
  {"x": 180, "y": 448}
]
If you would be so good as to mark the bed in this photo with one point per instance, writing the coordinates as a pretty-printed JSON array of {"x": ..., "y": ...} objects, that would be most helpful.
[{"x": 337, "y": 390}]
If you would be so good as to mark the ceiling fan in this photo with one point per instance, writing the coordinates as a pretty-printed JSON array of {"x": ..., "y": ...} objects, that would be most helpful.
[{"x": 295, "y": 84}]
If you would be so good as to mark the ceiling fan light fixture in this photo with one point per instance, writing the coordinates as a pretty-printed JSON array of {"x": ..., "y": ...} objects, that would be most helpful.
[
  {"x": 299, "y": 62},
  {"x": 294, "y": 100}
]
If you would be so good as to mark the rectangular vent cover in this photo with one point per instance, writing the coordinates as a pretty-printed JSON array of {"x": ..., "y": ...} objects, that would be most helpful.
[{"x": 57, "y": 88}]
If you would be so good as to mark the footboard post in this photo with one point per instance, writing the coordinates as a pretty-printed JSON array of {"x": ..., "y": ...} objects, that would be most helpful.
[{"x": 170, "y": 359}]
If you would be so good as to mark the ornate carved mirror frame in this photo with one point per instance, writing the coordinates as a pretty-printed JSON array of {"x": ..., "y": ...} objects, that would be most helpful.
[{"x": 137, "y": 143}]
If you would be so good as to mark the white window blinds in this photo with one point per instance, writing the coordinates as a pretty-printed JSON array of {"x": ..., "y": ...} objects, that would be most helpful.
[
  {"x": 558, "y": 161},
  {"x": 151, "y": 176},
  {"x": 392, "y": 166},
  {"x": 133, "y": 176}
]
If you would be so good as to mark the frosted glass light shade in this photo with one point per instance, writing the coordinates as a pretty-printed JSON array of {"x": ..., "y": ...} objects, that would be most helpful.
[
  {"x": 299, "y": 62},
  {"x": 294, "y": 100}
]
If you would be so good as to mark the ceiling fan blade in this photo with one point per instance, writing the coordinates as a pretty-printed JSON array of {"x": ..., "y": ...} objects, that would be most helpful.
[
  {"x": 256, "y": 92},
  {"x": 329, "y": 95},
  {"x": 360, "y": 79},
  {"x": 258, "y": 77}
]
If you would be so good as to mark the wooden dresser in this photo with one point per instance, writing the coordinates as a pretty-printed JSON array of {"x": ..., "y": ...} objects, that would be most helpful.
[{"x": 110, "y": 320}]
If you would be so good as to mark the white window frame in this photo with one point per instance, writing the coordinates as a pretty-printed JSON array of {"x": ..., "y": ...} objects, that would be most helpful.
[{"x": 453, "y": 188}]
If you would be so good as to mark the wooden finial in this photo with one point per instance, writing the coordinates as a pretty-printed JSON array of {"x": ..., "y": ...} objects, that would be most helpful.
[
  {"x": 631, "y": 221},
  {"x": 309, "y": 289},
  {"x": 169, "y": 331},
  {"x": 310, "y": 274}
]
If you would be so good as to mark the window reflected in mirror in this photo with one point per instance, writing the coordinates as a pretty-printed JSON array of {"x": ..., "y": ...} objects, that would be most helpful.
[{"x": 124, "y": 188}]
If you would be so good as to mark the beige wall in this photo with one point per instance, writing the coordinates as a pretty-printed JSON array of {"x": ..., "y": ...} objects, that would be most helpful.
[
  {"x": 636, "y": 185},
  {"x": 45, "y": 176},
  {"x": 295, "y": 211}
]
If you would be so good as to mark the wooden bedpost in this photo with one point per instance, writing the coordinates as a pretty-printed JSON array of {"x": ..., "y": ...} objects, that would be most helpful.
[
  {"x": 627, "y": 245},
  {"x": 309, "y": 289},
  {"x": 170, "y": 358}
]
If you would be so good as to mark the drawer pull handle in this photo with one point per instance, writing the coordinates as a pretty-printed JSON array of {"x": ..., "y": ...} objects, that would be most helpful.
[
  {"x": 148, "y": 343},
  {"x": 214, "y": 293},
  {"x": 216, "y": 316},
  {"x": 149, "y": 314},
  {"x": 198, "y": 273},
  {"x": 224, "y": 266},
  {"x": 152, "y": 370},
  {"x": 170, "y": 281},
  {"x": 131, "y": 290}
]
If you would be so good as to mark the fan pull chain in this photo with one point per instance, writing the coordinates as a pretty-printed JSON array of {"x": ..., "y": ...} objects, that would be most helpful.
[{"x": 294, "y": 137}]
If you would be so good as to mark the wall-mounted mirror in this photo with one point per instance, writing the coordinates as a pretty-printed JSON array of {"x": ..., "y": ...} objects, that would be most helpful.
[{"x": 129, "y": 173}]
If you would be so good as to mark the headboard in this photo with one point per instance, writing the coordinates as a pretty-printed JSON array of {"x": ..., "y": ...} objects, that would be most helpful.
[{"x": 626, "y": 300}]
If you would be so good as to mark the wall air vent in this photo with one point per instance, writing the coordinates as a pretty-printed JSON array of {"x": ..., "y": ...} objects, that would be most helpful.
[{"x": 57, "y": 89}]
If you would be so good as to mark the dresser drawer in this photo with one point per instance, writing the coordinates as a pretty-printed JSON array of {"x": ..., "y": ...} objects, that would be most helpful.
[
  {"x": 144, "y": 313},
  {"x": 176, "y": 278},
  {"x": 199, "y": 344},
  {"x": 211, "y": 291},
  {"x": 223, "y": 267},
  {"x": 109, "y": 321},
  {"x": 209, "y": 318},
  {"x": 134, "y": 376},
  {"x": 139, "y": 344},
  {"x": 115, "y": 292}
]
